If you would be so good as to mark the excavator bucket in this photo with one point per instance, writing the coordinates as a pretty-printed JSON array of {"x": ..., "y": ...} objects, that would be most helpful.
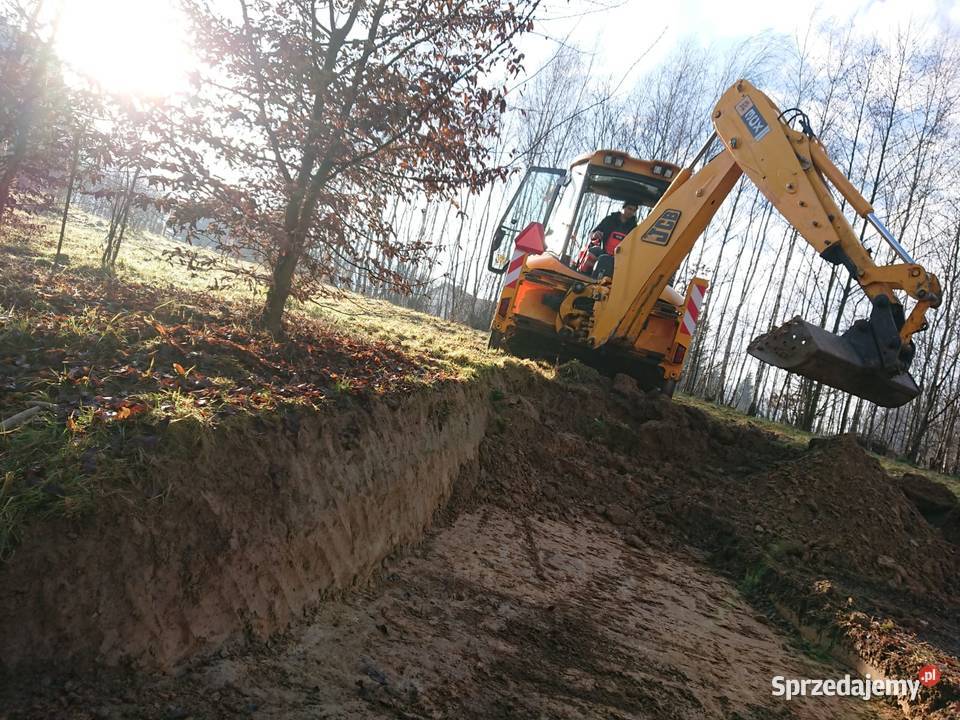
[{"x": 844, "y": 362}]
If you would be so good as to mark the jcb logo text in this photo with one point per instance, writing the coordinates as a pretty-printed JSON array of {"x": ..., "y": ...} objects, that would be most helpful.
[{"x": 662, "y": 229}]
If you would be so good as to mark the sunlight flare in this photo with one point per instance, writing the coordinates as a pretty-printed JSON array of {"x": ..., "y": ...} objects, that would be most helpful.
[{"x": 133, "y": 47}]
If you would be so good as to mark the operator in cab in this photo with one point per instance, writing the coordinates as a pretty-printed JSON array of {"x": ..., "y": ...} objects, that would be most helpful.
[{"x": 605, "y": 237}]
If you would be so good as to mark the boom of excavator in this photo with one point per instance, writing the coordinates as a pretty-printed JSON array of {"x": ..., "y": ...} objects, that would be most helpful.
[{"x": 631, "y": 320}]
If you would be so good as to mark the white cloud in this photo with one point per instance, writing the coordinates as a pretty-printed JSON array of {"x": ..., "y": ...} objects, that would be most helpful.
[{"x": 625, "y": 31}]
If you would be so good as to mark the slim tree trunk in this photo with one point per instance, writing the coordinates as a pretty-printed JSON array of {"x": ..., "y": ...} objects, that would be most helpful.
[
  {"x": 74, "y": 164},
  {"x": 118, "y": 223}
]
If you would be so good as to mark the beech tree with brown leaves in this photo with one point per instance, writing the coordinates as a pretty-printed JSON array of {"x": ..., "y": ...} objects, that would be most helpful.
[
  {"x": 310, "y": 114},
  {"x": 34, "y": 111}
]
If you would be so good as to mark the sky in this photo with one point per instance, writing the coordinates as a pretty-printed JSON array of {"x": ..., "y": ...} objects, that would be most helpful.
[
  {"x": 632, "y": 36},
  {"x": 140, "y": 46}
]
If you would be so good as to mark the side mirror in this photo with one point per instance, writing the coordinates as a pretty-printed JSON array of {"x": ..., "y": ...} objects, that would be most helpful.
[
  {"x": 498, "y": 238},
  {"x": 494, "y": 246}
]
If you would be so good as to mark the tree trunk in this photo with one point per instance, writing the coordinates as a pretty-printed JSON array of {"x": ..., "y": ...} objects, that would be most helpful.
[
  {"x": 74, "y": 163},
  {"x": 280, "y": 288},
  {"x": 118, "y": 223}
]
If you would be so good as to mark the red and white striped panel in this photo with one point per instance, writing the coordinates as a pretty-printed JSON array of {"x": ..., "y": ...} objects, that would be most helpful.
[
  {"x": 689, "y": 322},
  {"x": 513, "y": 270}
]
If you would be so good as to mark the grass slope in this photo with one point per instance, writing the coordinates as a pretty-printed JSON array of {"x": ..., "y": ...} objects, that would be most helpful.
[{"x": 115, "y": 362}]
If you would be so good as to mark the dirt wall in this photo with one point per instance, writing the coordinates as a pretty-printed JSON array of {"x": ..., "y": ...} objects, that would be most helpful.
[{"x": 252, "y": 525}]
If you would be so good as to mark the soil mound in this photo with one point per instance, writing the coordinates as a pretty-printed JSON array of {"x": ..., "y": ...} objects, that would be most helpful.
[
  {"x": 833, "y": 510},
  {"x": 644, "y": 462},
  {"x": 935, "y": 502},
  {"x": 822, "y": 535}
]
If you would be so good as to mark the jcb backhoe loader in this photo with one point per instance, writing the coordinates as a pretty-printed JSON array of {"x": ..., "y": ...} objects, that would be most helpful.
[{"x": 625, "y": 316}]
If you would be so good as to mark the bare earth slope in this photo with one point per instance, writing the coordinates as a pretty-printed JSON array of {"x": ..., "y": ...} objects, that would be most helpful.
[
  {"x": 502, "y": 615},
  {"x": 623, "y": 560}
]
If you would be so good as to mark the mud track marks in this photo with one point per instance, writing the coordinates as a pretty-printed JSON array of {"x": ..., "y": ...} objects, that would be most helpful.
[{"x": 503, "y": 615}]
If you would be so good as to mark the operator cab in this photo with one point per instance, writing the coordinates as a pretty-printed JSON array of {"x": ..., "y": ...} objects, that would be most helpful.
[{"x": 570, "y": 203}]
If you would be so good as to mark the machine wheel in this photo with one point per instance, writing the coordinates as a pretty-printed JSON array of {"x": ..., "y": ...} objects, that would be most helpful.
[
  {"x": 496, "y": 340},
  {"x": 668, "y": 387}
]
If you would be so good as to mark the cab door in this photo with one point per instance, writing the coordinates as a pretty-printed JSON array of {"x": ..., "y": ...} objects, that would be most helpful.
[{"x": 532, "y": 202}]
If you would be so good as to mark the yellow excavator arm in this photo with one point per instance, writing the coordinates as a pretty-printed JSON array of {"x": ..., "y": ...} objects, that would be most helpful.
[{"x": 792, "y": 169}]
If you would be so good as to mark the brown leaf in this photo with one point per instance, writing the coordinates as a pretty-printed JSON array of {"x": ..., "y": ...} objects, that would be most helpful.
[{"x": 128, "y": 409}]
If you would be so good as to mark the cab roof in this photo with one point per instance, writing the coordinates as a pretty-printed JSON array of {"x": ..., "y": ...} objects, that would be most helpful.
[
  {"x": 624, "y": 161},
  {"x": 618, "y": 175}
]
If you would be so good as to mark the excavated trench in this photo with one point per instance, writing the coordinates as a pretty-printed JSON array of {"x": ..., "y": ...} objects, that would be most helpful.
[
  {"x": 509, "y": 547},
  {"x": 248, "y": 527}
]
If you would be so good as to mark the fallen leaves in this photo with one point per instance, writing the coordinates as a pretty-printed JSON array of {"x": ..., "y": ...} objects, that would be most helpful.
[
  {"x": 162, "y": 331},
  {"x": 109, "y": 353},
  {"x": 108, "y": 410}
]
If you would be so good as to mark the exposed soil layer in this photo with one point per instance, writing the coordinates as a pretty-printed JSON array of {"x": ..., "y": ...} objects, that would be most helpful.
[
  {"x": 248, "y": 526},
  {"x": 502, "y": 615},
  {"x": 607, "y": 554}
]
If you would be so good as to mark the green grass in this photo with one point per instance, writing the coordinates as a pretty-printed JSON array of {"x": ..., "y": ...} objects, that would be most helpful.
[
  {"x": 46, "y": 472},
  {"x": 145, "y": 258}
]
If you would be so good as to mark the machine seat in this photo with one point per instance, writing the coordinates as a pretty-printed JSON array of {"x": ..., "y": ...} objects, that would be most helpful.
[{"x": 551, "y": 263}]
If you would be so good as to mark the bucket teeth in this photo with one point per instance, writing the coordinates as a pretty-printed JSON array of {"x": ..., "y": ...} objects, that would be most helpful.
[{"x": 834, "y": 360}]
